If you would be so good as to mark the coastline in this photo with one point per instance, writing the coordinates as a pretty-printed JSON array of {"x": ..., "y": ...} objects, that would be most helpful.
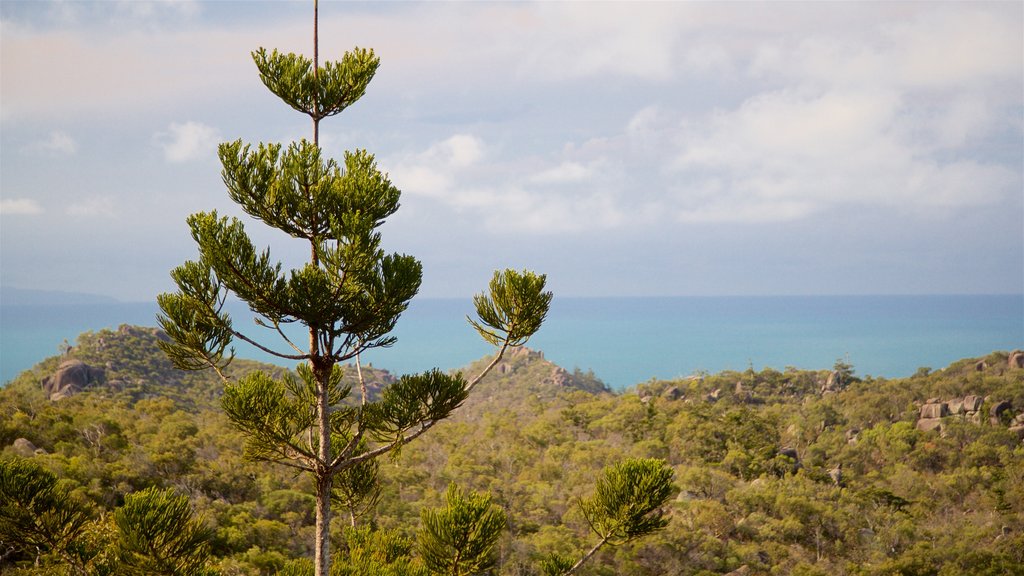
[{"x": 626, "y": 341}]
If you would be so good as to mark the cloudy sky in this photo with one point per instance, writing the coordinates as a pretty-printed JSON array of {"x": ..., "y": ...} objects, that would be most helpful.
[{"x": 673, "y": 148}]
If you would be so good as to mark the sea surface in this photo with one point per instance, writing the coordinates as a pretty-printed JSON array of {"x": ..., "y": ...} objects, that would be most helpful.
[{"x": 626, "y": 341}]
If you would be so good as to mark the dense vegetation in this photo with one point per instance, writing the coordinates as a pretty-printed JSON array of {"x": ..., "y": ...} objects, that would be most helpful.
[{"x": 774, "y": 476}]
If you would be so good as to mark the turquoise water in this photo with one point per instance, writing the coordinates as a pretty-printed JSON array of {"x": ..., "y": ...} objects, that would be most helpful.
[{"x": 630, "y": 340}]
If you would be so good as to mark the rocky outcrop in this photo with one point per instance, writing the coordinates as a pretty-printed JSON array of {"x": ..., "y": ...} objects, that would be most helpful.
[
  {"x": 25, "y": 448},
  {"x": 71, "y": 377},
  {"x": 559, "y": 377},
  {"x": 935, "y": 410},
  {"x": 833, "y": 383},
  {"x": 791, "y": 454},
  {"x": 672, "y": 393},
  {"x": 836, "y": 474},
  {"x": 1017, "y": 426},
  {"x": 997, "y": 411},
  {"x": 934, "y": 413},
  {"x": 1016, "y": 359}
]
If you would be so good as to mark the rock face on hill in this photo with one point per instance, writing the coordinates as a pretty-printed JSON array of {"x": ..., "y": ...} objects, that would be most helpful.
[
  {"x": 935, "y": 413},
  {"x": 71, "y": 377},
  {"x": 523, "y": 373}
]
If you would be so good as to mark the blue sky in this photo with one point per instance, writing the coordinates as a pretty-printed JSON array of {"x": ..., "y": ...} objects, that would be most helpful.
[{"x": 622, "y": 148}]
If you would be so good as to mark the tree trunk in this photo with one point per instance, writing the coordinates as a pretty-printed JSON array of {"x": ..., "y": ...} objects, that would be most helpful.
[
  {"x": 323, "y": 524},
  {"x": 323, "y": 476}
]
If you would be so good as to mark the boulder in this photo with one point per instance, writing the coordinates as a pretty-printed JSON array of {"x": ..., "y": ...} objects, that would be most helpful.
[
  {"x": 956, "y": 407},
  {"x": 980, "y": 365},
  {"x": 24, "y": 447},
  {"x": 833, "y": 383},
  {"x": 740, "y": 393},
  {"x": 672, "y": 393},
  {"x": 71, "y": 377},
  {"x": 836, "y": 474},
  {"x": 996, "y": 412},
  {"x": 972, "y": 403},
  {"x": 560, "y": 377},
  {"x": 852, "y": 435},
  {"x": 789, "y": 453},
  {"x": 927, "y": 424},
  {"x": 792, "y": 455},
  {"x": 934, "y": 410},
  {"x": 1016, "y": 359}
]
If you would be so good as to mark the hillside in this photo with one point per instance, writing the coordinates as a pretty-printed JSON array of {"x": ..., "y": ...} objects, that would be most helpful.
[{"x": 792, "y": 472}]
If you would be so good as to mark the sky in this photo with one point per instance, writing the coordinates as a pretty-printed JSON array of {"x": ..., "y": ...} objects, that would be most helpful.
[{"x": 623, "y": 149}]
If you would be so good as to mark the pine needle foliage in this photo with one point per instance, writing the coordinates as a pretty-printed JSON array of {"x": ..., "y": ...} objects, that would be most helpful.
[
  {"x": 459, "y": 539},
  {"x": 348, "y": 296},
  {"x": 159, "y": 535},
  {"x": 38, "y": 514},
  {"x": 627, "y": 502},
  {"x": 511, "y": 311}
]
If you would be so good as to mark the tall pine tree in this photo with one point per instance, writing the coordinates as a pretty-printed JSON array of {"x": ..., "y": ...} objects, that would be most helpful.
[{"x": 348, "y": 296}]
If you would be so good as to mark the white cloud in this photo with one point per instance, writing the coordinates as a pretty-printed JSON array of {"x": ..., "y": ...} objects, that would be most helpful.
[
  {"x": 19, "y": 206},
  {"x": 149, "y": 9},
  {"x": 435, "y": 171},
  {"x": 564, "y": 172},
  {"x": 503, "y": 195},
  {"x": 789, "y": 154},
  {"x": 603, "y": 39},
  {"x": 57, "y": 143},
  {"x": 945, "y": 47},
  {"x": 102, "y": 206},
  {"x": 188, "y": 141}
]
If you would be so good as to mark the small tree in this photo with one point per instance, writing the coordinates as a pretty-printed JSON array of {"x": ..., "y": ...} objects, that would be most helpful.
[
  {"x": 43, "y": 524},
  {"x": 459, "y": 539},
  {"x": 159, "y": 535},
  {"x": 348, "y": 296},
  {"x": 627, "y": 504},
  {"x": 39, "y": 517}
]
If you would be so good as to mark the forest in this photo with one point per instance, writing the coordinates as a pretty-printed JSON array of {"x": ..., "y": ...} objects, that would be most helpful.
[
  {"x": 154, "y": 451},
  {"x": 786, "y": 471}
]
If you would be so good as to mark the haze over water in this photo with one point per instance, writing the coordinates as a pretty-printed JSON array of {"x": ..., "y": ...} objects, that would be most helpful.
[{"x": 630, "y": 340}]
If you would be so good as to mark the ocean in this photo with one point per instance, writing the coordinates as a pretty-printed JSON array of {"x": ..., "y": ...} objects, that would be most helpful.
[{"x": 626, "y": 341}]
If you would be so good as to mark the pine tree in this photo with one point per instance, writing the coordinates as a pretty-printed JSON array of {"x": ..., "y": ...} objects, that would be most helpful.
[
  {"x": 626, "y": 505},
  {"x": 39, "y": 517},
  {"x": 159, "y": 535},
  {"x": 459, "y": 539},
  {"x": 348, "y": 296}
]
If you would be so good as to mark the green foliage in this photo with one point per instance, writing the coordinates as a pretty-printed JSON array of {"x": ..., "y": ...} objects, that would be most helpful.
[
  {"x": 357, "y": 487},
  {"x": 912, "y": 501},
  {"x": 556, "y": 565},
  {"x": 199, "y": 330},
  {"x": 378, "y": 552},
  {"x": 39, "y": 516},
  {"x": 317, "y": 92},
  {"x": 414, "y": 401},
  {"x": 459, "y": 539},
  {"x": 160, "y": 536},
  {"x": 513, "y": 309},
  {"x": 629, "y": 499}
]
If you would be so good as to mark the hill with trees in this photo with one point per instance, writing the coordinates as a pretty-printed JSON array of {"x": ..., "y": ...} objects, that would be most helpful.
[{"x": 775, "y": 472}]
